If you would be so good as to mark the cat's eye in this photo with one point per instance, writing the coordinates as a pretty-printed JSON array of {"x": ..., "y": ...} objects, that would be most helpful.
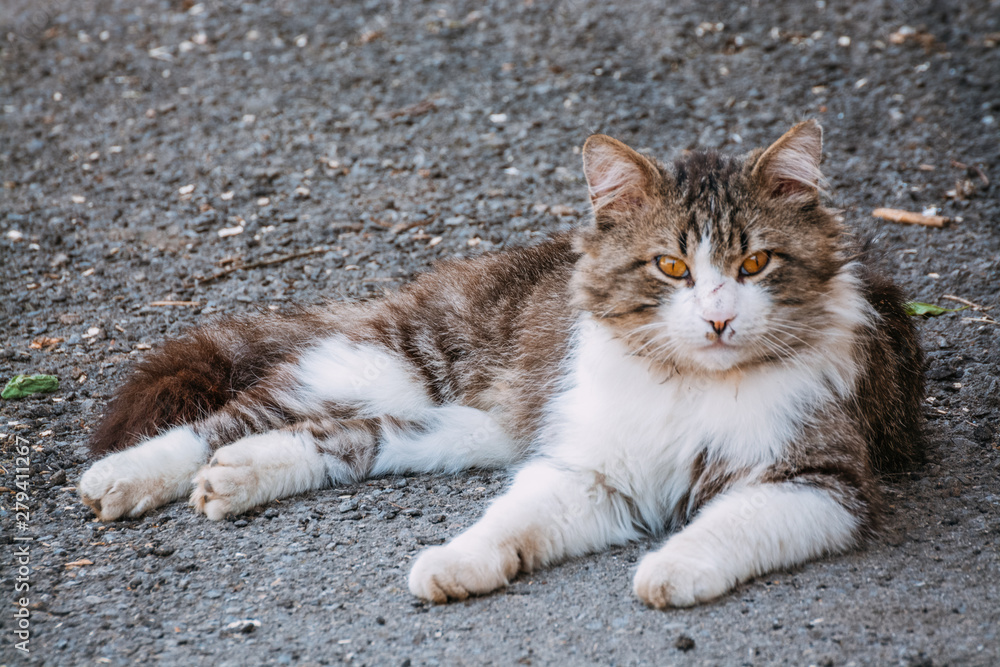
[
  {"x": 672, "y": 266},
  {"x": 754, "y": 264}
]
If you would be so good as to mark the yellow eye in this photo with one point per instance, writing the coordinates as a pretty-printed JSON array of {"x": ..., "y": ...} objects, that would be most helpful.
[
  {"x": 673, "y": 267},
  {"x": 755, "y": 263}
]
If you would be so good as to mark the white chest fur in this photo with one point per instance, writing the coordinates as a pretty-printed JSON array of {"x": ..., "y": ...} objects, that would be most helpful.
[{"x": 641, "y": 431}]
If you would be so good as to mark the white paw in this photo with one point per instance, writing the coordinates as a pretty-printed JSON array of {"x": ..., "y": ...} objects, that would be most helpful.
[
  {"x": 227, "y": 485},
  {"x": 109, "y": 488},
  {"x": 669, "y": 579},
  {"x": 452, "y": 572},
  {"x": 148, "y": 475},
  {"x": 256, "y": 470}
]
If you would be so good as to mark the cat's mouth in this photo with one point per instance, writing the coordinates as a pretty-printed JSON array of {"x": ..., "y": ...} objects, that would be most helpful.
[
  {"x": 719, "y": 348},
  {"x": 716, "y": 341}
]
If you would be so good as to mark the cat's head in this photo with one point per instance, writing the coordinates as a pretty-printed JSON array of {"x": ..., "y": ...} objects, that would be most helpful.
[{"x": 713, "y": 263}]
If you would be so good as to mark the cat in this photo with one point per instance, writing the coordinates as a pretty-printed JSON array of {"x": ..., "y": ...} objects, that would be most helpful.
[{"x": 710, "y": 358}]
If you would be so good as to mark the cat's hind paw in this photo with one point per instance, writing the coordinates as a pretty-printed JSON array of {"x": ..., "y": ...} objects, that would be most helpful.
[
  {"x": 136, "y": 480},
  {"x": 225, "y": 486},
  {"x": 666, "y": 579},
  {"x": 454, "y": 573},
  {"x": 256, "y": 470},
  {"x": 112, "y": 493}
]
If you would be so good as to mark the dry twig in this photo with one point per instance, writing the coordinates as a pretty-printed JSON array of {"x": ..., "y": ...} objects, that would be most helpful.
[
  {"x": 258, "y": 264},
  {"x": 910, "y": 218},
  {"x": 406, "y": 226},
  {"x": 971, "y": 304},
  {"x": 418, "y": 109}
]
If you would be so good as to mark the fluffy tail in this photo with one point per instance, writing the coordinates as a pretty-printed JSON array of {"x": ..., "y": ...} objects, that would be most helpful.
[{"x": 190, "y": 377}]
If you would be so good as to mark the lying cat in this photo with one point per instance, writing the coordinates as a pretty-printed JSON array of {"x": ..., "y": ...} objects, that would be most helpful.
[{"x": 708, "y": 357}]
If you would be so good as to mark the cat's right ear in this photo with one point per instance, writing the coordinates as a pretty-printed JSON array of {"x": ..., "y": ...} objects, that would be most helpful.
[{"x": 620, "y": 180}]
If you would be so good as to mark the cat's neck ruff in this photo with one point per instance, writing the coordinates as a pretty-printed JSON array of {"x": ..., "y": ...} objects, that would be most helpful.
[{"x": 746, "y": 418}]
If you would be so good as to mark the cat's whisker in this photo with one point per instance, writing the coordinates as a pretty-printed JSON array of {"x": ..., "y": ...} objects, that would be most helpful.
[
  {"x": 652, "y": 341},
  {"x": 653, "y": 326},
  {"x": 789, "y": 325},
  {"x": 666, "y": 345},
  {"x": 774, "y": 347},
  {"x": 662, "y": 326},
  {"x": 783, "y": 328}
]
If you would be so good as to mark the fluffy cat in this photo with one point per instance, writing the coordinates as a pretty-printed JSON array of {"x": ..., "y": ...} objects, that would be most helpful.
[{"x": 708, "y": 358}]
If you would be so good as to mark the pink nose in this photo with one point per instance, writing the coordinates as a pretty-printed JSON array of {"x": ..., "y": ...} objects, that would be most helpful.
[{"x": 719, "y": 325}]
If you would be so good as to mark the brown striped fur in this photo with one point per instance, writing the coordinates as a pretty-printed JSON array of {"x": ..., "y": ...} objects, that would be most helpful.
[{"x": 492, "y": 332}]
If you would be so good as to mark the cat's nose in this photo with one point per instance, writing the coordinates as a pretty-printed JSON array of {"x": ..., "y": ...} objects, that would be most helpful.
[{"x": 719, "y": 325}]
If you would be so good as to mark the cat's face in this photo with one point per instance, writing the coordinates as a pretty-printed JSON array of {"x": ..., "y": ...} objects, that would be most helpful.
[{"x": 714, "y": 264}]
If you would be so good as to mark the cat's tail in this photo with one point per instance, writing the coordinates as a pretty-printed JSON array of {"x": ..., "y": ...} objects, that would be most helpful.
[{"x": 190, "y": 377}]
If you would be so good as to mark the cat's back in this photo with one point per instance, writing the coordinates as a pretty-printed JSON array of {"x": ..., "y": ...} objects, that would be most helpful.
[
  {"x": 492, "y": 297},
  {"x": 489, "y": 332}
]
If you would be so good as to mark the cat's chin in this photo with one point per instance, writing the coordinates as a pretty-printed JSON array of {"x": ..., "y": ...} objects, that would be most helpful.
[{"x": 717, "y": 358}]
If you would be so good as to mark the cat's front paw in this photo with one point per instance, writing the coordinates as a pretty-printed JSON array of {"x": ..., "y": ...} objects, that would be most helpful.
[
  {"x": 669, "y": 579},
  {"x": 148, "y": 475},
  {"x": 454, "y": 572}
]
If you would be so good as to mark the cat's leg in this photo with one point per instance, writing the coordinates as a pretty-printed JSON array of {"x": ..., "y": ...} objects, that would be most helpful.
[
  {"x": 344, "y": 412},
  {"x": 258, "y": 469},
  {"x": 151, "y": 474},
  {"x": 160, "y": 470},
  {"x": 335, "y": 372},
  {"x": 448, "y": 438},
  {"x": 549, "y": 513},
  {"x": 313, "y": 453},
  {"x": 743, "y": 533}
]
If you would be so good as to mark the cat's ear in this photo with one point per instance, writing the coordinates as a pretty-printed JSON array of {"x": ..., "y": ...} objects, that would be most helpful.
[
  {"x": 619, "y": 178},
  {"x": 789, "y": 168}
]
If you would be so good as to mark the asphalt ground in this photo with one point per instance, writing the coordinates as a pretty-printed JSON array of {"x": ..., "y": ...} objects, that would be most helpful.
[{"x": 225, "y": 156}]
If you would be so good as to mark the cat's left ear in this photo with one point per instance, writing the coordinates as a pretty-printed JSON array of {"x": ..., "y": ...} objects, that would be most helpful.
[
  {"x": 789, "y": 168},
  {"x": 620, "y": 179}
]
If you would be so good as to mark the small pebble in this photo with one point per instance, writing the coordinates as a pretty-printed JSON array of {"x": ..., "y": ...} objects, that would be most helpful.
[
  {"x": 684, "y": 643},
  {"x": 436, "y": 518},
  {"x": 983, "y": 434},
  {"x": 348, "y": 505},
  {"x": 243, "y": 627}
]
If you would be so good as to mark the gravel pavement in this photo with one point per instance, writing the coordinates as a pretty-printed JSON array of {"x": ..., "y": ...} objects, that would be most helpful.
[{"x": 164, "y": 160}]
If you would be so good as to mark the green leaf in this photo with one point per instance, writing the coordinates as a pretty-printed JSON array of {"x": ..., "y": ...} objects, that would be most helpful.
[
  {"x": 26, "y": 385},
  {"x": 918, "y": 309}
]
